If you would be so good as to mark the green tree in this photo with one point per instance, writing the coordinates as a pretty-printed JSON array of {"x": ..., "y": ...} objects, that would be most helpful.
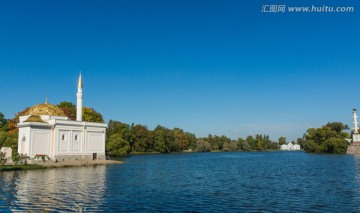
[
  {"x": 259, "y": 142},
  {"x": 116, "y": 145},
  {"x": 117, "y": 127},
  {"x": 2, "y": 159},
  {"x": 141, "y": 139},
  {"x": 9, "y": 140},
  {"x": 312, "y": 146},
  {"x": 3, "y": 123},
  {"x": 337, "y": 127},
  {"x": 301, "y": 142},
  {"x": 240, "y": 143},
  {"x": 160, "y": 144},
  {"x": 192, "y": 140},
  {"x": 282, "y": 140},
  {"x": 335, "y": 145},
  {"x": 165, "y": 141},
  {"x": 330, "y": 138},
  {"x": 252, "y": 142},
  {"x": 90, "y": 115}
]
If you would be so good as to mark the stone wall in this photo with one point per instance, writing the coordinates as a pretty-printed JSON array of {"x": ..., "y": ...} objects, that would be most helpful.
[
  {"x": 353, "y": 149},
  {"x": 78, "y": 157}
]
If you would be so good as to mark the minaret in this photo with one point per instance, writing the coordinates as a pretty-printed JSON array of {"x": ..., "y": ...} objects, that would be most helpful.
[
  {"x": 356, "y": 135},
  {"x": 355, "y": 121},
  {"x": 79, "y": 96}
]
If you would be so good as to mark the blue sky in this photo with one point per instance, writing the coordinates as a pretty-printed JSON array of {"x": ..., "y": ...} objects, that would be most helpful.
[{"x": 208, "y": 67}]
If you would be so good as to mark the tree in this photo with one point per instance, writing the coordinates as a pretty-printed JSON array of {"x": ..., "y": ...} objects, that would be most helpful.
[
  {"x": 164, "y": 140},
  {"x": 90, "y": 115},
  {"x": 202, "y": 145},
  {"x": 3, "y": 122},
  {"x": 246, "y": 146},
  {"x": 335, "y": 145},
  {"x": 12, "y": 123},
  {"x": 251, "y": 141},
  {"x": 337, "y": 126},
  {"x": 282, "y": 140},
  {"x": 9, "y": 140},
  {"x": 2, "y": 159},
  {"x": 116, "y": 145},
  {"x": 192, "y": 140},
  {"x": 181, "y": 138},
  {"x": 259, "y": 142},
  {"x": 330, "y": 138},
  {"x": 301, "y": 142},
  {"x": 232, "y": 146},
  {"x": 141, "y": 139},
  {"x": 69, "y": 109},
  {"x": 116, "y": 127},
  {"x": 159, "y": 139}
]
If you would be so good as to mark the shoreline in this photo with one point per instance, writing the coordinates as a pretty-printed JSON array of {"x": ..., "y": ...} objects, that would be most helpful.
[
  {"x": 78, "y": 163},
  {"x": 53, "y": 165}
]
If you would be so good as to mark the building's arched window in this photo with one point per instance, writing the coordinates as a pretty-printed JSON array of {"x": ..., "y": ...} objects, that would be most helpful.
[
  {"x": 63, "y": 137},
  {"x": 76, "y": 137},
  {"x": 23, "y": 139}
]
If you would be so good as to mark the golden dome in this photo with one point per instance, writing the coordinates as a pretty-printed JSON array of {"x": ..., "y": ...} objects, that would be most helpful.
[
  {"x": 35, "y": 118},
  {"x": 45, "y": 109}
]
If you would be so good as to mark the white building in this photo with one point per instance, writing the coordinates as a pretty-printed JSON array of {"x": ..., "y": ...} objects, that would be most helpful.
[
  {"x": 290, "y": 147},
  {"x": 45, "y": 130}
]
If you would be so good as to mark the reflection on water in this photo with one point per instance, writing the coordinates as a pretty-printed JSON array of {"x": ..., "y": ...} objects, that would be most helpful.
[
  {"x": 356, "y": 171},
  {"x": 74, "y": 189},
  {"x": 198, "y": 182}
]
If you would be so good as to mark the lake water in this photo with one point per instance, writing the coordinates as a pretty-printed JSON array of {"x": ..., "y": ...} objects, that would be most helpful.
[{"x": 196, "y": 182}]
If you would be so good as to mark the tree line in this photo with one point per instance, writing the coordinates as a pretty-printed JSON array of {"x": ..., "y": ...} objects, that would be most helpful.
[{"x": 123, "y": 138}]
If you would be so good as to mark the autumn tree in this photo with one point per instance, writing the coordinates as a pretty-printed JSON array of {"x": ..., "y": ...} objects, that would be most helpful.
[
  {"x": 12, "y": 123},
  {"x": 69, "y": 109}
]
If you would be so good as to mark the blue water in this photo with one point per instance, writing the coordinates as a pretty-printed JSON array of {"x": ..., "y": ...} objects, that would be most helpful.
[{"x": 196, "y": 182}]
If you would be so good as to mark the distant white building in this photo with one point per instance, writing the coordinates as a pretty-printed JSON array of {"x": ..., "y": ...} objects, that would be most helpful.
[
  {"x": 290, "y": 147},
  {"x": 46, "y": 130}
]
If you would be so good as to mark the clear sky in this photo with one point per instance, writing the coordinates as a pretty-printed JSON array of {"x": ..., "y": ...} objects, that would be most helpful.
[{"x": 206, "y": 66}]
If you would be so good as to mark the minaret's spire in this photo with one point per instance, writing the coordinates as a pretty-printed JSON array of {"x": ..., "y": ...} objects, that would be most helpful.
[
  {"x": 80, "y": 84},
  {"x": 79, "y": 96},
  {"x": 46, "y": 100}
]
